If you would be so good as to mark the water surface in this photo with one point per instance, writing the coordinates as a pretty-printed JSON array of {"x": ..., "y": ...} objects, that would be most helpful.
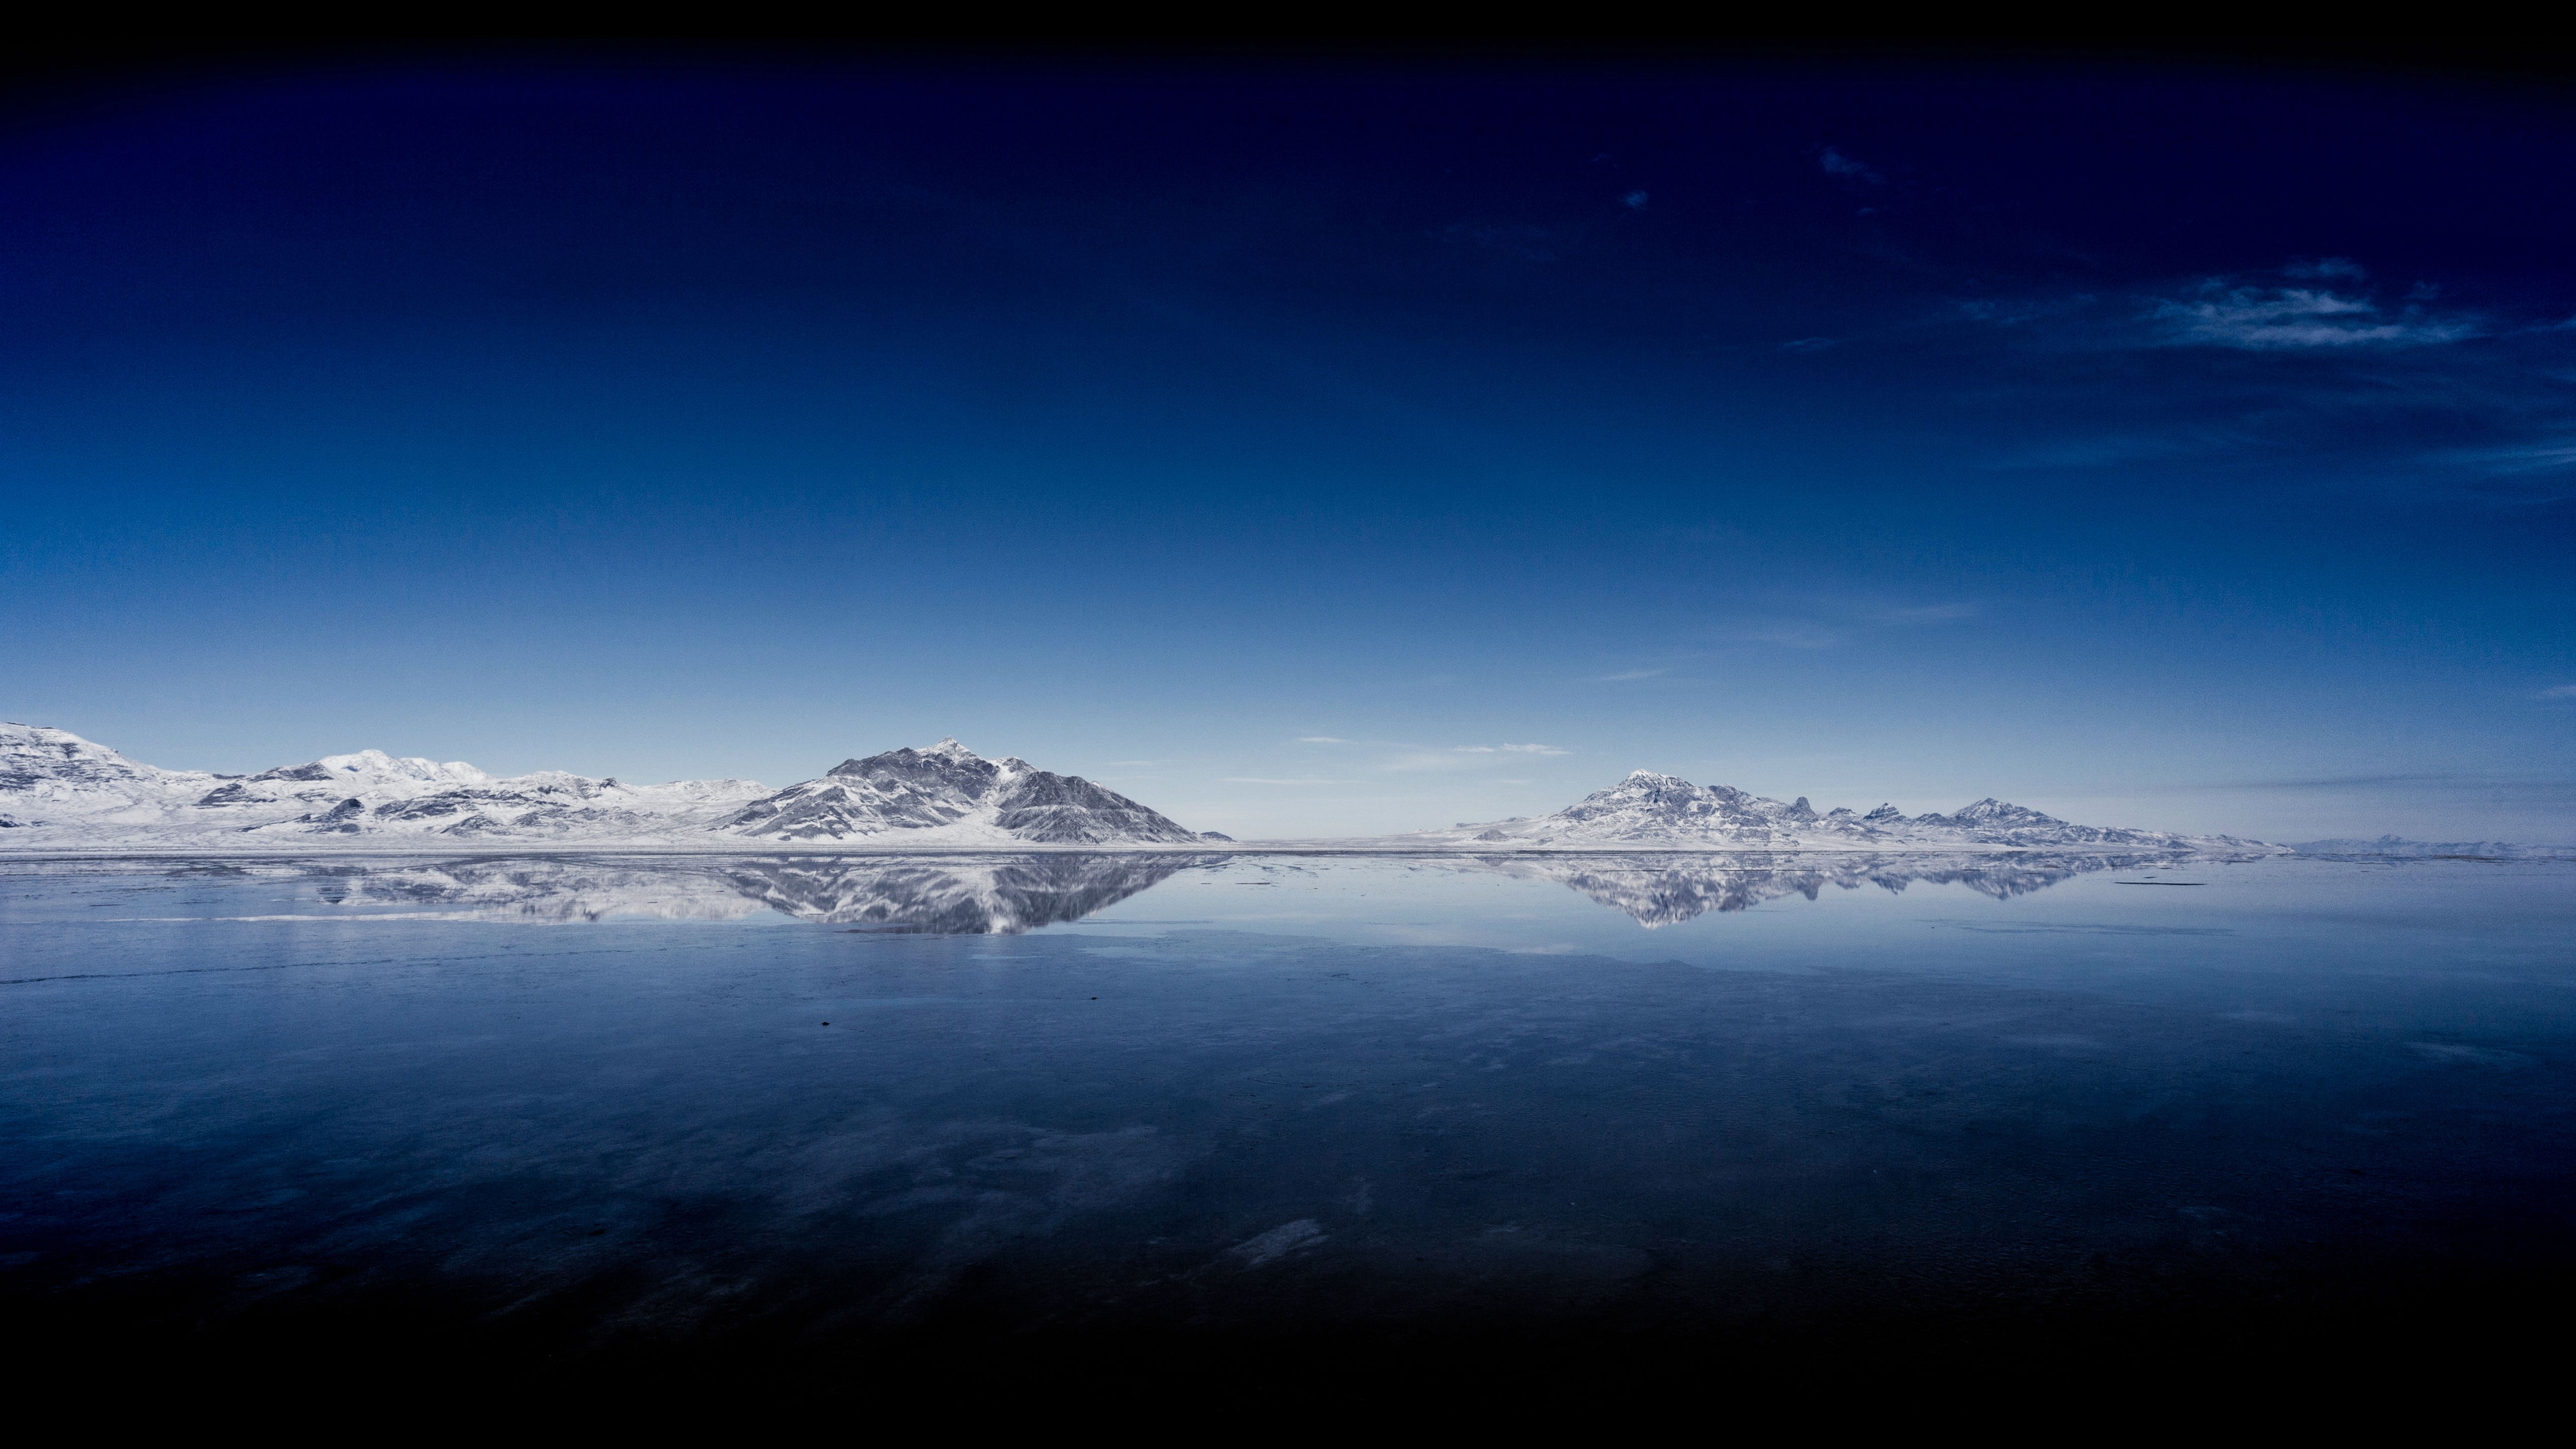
[{"x": 816, "y": 1109}]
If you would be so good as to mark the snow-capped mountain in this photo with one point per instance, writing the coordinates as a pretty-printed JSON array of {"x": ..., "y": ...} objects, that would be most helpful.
[
  {"x": 1648, "y": 811},
  {"x": 49, "y": 775},
  {"x": 60, "y": 791},
  {"x": 57, "y": 789},
  {"x": 948, "y": 794}
]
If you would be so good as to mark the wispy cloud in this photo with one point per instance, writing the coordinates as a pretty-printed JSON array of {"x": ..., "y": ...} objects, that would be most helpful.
[
  {"x": 1837, "y": 163},
  {"x": 2548, "y": 457},
  {"x": 1467, "y": 757},
  {"x": 1626, "y": 675},
  {"x": 2563, "y": 691},
  {"x": 2324, "y": 304},
  {"x": 1265, "y": 780},
  {"x": 2224, "y": 313},
  {"x": 2520, "y": 475},
  {"x": 1792, "y": 634},
  {"x": 1836, "y": 622},
  {"x": 1808, "y": 344},
  {"x": 1321, "y": 740}
]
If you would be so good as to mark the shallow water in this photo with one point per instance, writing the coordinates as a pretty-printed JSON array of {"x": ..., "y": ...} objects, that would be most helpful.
[{"x": 594, "y": 1106}]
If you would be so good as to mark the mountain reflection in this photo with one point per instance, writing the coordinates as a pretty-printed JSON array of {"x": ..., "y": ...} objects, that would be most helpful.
[
  {"x": 954, "y": 896},
  {"x": 1007, "y": 894},
  {"x": 1662, "y": 890}
]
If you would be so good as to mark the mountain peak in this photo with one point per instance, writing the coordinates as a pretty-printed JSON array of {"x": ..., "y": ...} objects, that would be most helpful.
[{"x": 950, "y": 788}]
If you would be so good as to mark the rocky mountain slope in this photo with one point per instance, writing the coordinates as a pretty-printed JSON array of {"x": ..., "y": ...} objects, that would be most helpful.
[
  {"x": 59, "y": 791},
  {"x": 1648, "y": 811},
  {"x": 949, "y": 795}
]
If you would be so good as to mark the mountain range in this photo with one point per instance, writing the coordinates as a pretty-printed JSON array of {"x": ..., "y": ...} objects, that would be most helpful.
[
  {"x": 59, "y": 791},
  {"x": 1648, "y": 811}
]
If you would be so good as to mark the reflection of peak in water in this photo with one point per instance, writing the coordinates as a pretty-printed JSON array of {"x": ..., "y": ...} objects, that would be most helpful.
[
  {"x": 1662, "y": 890},
  {"x": 983, "y": 895},
  {"x": 960, "y": 895}
]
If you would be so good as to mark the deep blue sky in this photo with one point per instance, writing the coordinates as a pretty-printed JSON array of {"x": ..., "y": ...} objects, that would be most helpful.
[{"x": 2172, "y": 447}]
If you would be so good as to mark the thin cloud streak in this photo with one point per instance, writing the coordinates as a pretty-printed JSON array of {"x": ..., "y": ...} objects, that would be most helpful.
[
  {"x": 1469, "y": 757},
  {"x": 2264, "y": 319}
]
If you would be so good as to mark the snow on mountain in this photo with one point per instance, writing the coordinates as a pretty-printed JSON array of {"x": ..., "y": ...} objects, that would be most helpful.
[
  {"x": 949, "y": 795},
  {"x": 49, "y": 774},
  {"x": 59, "y": 791},
  {"x": 1648, "y": 811}
]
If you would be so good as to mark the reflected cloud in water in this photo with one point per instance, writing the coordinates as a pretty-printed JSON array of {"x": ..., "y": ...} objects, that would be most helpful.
[{"x": 1008, "y": 894}]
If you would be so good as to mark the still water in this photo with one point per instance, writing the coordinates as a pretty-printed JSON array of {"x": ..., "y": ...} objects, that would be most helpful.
[{"x": 805, "y": 1105}]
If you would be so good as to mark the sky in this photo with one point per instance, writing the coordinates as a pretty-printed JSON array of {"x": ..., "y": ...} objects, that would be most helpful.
[{"x": 1336, "y": 446}]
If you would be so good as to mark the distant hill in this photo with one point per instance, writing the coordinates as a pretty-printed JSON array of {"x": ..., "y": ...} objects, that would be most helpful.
[{"x": 1648, "y": 811}]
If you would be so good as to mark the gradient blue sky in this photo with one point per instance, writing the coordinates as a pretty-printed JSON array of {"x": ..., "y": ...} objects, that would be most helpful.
[{"x": 1315, "y": 449}]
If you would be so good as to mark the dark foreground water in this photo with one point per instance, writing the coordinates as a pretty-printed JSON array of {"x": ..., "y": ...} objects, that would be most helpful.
[{"x": 822, "y": 1122}]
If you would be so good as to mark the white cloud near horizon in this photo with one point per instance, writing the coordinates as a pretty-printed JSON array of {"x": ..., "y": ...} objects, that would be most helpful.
[{"x": 1321, "y": 740}]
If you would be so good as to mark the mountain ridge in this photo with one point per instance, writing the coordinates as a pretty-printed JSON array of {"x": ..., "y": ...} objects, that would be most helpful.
[
  {"x": 57, "y": 788},
  {"x": 1649, "y": 811},
  {"x": 60, "y": 791}
]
